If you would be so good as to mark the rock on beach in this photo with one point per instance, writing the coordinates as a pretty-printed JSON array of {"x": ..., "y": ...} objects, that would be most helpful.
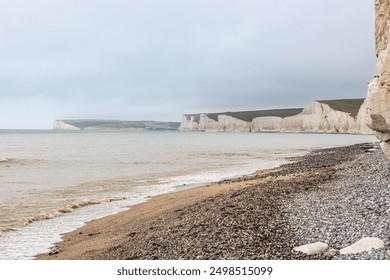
[
  {"x": 312, "y": 248},
  {"x": 363, "y": 245}
]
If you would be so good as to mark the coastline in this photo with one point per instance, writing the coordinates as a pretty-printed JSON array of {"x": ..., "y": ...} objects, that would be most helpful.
[{"x": 259, "y": 216}]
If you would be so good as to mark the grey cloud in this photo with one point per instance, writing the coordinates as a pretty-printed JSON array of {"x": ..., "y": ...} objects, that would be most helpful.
[{"x": 159, "y": 59}]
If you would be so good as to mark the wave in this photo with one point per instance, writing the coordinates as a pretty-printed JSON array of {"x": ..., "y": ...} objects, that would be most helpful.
[
  {"x": 6, "y": 229},
  {"x": 69, "y": 208},
  {"x": 21, "y": 161},
  {"x": 5, "y": 159}
]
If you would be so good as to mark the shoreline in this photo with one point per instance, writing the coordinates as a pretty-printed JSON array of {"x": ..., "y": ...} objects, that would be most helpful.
[
  {"x": 146, "y": 212},
  {"x": 242, "y": 218}
]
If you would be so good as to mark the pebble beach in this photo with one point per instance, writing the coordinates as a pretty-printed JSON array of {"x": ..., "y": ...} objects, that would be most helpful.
[{"x": 336, "y": 196}]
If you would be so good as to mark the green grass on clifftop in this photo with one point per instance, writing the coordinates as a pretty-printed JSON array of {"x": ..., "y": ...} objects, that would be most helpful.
[
  {"x": 248, "y": 116},
  {"x": 118, "y": 125},
  {"x": 350, "y": 106}
]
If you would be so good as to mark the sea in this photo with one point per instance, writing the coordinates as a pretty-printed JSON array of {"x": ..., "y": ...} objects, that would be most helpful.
[{"x": 52, "y": 182}]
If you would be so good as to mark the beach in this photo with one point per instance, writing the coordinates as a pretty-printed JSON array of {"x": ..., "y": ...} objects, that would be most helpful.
[{"x": 336, "y": 195}]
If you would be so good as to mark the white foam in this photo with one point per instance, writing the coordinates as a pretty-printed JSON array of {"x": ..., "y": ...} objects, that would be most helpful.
[
  {"x": 35, "y": 238},
  {"x": 45, "y": 229}
]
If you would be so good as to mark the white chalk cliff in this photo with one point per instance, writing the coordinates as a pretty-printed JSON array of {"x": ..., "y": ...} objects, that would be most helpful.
[
  {"x": 317, "y": 117},
  {"x": 61, "y": 125},
  {"x": 378, "y": 97}
]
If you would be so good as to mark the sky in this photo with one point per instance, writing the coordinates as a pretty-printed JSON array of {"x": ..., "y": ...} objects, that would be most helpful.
[{"x": 159, "y": 59}]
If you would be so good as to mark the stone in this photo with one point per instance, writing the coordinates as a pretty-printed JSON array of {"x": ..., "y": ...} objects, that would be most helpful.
[
  {"x": 332, "y": 253},
  {"x": 363, "y": 245},
  {"x": 312, "y": 248},
  {"x": 55, "y": 250}
]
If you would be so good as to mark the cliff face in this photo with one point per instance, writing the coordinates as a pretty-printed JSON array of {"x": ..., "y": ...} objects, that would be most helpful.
[
  {"x": 317, "y": 117},
  {"x": 378, "y": 97},
  {"x": 62, "y": 125}
]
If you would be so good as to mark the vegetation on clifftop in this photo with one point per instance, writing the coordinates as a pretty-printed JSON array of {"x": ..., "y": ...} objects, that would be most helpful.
[
  {"x": 350, "y": 106},
  {"x": 248, "y": 116},
  {"x": 83, "y": 124}
]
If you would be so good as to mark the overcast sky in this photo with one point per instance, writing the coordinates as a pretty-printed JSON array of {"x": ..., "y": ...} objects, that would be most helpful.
[{"x": 158, "y": 59}]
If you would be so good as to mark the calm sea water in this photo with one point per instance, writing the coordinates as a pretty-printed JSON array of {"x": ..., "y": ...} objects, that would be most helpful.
[{"x": 53, "y": 182}]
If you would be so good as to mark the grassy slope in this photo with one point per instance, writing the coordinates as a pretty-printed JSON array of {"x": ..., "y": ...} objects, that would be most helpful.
[
  {"x": 248, "y": 116},
  {"x": 350, "y": 106},
  {"x": 116, "y": 124}
]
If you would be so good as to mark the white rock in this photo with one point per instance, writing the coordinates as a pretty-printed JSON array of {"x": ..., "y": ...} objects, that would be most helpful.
[
  {"x": 363, "y": 245},
  {"x": 266, "y": 124},
  {"x": 230, "y": 124},
  {"x": 317, "y": 117},
  {"x": 378, "y": 97},
  {"x": 207, "y": 124},
  {"x": 61, "y": 125},
  {"x": 189, "y": 123},
  {"x": 312, "y": 248}
]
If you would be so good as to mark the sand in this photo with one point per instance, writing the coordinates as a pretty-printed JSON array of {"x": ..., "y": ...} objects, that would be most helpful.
[{"x": 103, "y": 233}]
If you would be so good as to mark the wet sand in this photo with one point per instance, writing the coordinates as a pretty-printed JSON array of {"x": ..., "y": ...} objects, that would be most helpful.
[{"x": 259, "y": 216}]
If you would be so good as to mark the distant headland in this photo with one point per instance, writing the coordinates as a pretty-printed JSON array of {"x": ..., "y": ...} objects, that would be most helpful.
[{"x": 92, "y": 124}]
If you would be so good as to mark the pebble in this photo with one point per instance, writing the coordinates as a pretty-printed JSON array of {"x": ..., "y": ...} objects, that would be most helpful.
[
  {"x": 332, "y": 253},
  {"x": 54, "y": 251},
  {"x": 342, "y": 197}
]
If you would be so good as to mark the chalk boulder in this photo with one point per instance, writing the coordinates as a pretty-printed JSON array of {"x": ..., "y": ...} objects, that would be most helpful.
[
  {"x": 363, "y": 245},
  {"x": 312, "y": 248}
]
